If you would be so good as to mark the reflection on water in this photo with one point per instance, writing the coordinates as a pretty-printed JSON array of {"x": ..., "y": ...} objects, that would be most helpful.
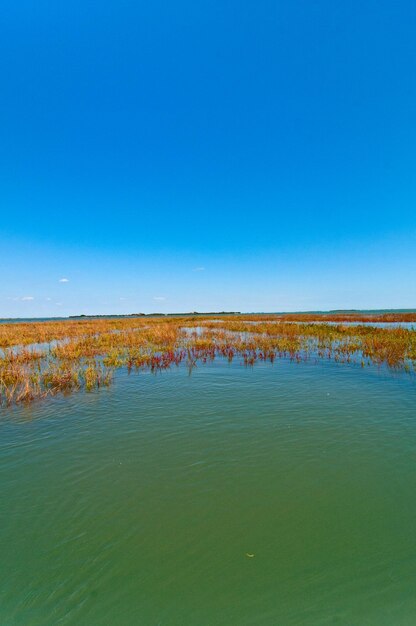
[{"x": 140, "y": 504}]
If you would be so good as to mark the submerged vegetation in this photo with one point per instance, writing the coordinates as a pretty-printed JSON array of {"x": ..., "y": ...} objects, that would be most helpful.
[{"x": 39, "y": 359}]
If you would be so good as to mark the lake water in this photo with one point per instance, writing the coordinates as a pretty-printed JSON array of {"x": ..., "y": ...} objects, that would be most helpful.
[{"x": 277, "y": 495}]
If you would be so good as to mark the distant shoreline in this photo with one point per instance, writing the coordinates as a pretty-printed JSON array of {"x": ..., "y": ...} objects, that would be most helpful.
[{"x": 335, "y": 312}]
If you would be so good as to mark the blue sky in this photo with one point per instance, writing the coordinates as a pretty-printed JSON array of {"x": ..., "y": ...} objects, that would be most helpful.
[{"x": 230, "y": 155}]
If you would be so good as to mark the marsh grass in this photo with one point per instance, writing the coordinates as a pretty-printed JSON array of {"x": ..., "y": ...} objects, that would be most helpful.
[{"x": 87, "y": 352}]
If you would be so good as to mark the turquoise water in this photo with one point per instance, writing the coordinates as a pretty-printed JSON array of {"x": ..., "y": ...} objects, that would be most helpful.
[{"x": 139, "y": 504}]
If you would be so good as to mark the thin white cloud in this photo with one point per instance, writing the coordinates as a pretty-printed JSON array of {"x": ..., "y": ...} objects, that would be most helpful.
[
  {"x": 27, "y": 298},
  {"x": 123, "y": 298},
  {"x": 199, "y": 269},
  {"x": 64, "y": 280},
  {"x": 159, "y": 298},
  {"x": 58, "y": 303},
  {"x": 48, "y": 299}
]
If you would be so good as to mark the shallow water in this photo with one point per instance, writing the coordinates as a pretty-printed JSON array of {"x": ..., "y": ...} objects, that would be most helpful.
[{"x": 139, "y": 504}]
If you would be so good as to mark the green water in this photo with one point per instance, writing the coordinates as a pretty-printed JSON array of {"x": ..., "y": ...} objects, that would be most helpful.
[{"x": 138, "y": 504}]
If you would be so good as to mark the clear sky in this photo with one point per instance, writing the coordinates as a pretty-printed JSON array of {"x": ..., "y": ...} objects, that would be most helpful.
[{"x": 221, "y": 155}]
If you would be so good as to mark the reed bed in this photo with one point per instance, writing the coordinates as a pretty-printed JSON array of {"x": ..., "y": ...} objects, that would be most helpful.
[{"x": 46, "y": 358}]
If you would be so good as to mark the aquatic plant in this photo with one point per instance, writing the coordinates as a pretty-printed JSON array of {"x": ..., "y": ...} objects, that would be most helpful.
[{"x": 41, "y": 359}]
